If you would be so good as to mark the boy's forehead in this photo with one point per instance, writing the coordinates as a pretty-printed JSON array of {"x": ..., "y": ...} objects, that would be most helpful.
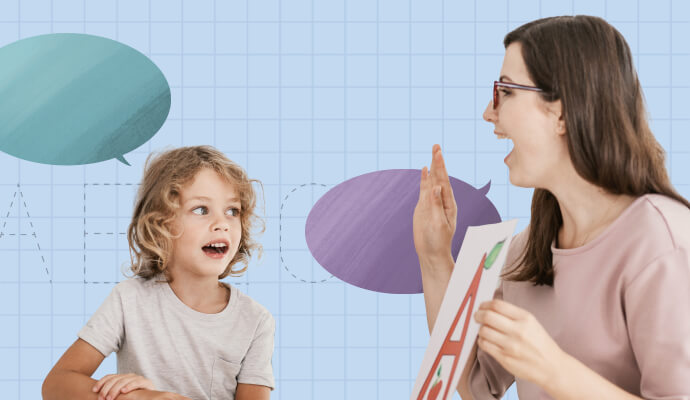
[{"x": 208, "y": 184}]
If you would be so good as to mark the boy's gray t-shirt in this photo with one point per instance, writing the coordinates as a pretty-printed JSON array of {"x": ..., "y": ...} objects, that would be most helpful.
[{"x": 201, "y": 356}]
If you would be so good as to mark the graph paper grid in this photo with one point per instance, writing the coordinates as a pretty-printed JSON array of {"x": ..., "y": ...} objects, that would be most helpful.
[{"x": 304, "y": 94}]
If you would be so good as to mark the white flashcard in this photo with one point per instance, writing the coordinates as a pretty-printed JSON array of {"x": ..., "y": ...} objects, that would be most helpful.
[{"x": 473, "y": 281}]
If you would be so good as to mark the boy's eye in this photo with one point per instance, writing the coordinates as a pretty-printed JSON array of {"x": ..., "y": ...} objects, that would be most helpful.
[
  {"x": 233, "y": 212},
  {"x": 200, "y": 210}
]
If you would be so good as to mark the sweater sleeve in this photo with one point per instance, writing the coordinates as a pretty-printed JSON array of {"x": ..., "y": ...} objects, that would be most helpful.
[
  {"x": 657, "y": 310},
  {"x": 488, "y": 379}
]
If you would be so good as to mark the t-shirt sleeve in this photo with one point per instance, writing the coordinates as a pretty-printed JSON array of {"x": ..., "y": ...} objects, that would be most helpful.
[
  {"x": 105, "y": 328},
  {"x": 256, "y": 367},
  {"x": 657, "y": 310}
]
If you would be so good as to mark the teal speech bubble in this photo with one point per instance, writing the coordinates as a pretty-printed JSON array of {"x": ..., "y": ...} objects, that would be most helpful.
[{"x": 70, "y": 99}]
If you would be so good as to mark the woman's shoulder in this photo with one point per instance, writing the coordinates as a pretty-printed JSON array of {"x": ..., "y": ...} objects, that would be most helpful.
[
  {"x": 664, "y": 220},
  {"x": 516, "y": 249}
]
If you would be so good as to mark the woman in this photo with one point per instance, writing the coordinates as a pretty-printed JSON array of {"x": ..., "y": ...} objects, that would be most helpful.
[{"x": 594, "y": 300}]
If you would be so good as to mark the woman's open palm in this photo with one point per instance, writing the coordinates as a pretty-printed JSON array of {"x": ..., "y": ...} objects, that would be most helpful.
[{"x": 436, "y": 212}]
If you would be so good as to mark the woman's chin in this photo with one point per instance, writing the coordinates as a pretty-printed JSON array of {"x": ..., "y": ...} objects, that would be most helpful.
[{"x": 517, "y": 179}]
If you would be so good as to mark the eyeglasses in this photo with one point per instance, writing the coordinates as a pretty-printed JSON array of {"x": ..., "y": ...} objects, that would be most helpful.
[{"x": 512, "y": 86}]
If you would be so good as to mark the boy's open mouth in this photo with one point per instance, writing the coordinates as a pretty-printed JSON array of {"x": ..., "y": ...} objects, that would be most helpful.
[{"x": 216, "y": 248}]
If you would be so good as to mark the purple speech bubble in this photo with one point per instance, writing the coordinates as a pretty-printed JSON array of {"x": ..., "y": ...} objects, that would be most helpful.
[{"x": 361, "y": 230}]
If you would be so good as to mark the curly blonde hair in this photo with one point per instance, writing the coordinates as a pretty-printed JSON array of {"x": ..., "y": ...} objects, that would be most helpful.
[{"x": 165, "y": 174}]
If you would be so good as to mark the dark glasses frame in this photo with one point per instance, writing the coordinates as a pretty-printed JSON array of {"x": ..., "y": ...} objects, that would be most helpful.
[{"x": 498, "y": 84}]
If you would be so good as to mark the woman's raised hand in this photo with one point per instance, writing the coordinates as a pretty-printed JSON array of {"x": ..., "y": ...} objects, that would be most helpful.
[{"x": 436, "y": 212}]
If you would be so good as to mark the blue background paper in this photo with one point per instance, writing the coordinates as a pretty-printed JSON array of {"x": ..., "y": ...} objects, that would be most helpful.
[{"x": 300, "y": 92}]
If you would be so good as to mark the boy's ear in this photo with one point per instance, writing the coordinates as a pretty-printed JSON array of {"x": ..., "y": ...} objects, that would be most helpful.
[{"x": 175, "y": 228}]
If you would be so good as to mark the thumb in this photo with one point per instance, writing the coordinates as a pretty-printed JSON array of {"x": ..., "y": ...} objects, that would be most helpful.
[
  {"x": 436, "y": 199},
  {"x": 437, "y": 203}
]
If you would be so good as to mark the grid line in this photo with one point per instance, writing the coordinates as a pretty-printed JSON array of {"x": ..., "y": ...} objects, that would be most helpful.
[{"x": 371, "y": 140}]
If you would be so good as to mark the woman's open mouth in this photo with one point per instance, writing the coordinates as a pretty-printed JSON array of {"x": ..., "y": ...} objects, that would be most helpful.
[{"x": 504, "y": 136}]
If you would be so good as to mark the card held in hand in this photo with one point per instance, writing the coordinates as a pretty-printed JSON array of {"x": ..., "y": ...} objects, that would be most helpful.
[{"x": 474, "y": 279}]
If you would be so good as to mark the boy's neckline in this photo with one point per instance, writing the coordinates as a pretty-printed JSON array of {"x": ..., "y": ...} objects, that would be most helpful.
[
  {"x": 213, "y": 308},
  {"x": 191, "y": 312}
]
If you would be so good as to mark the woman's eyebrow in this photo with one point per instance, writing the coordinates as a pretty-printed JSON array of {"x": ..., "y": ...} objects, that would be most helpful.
[{"x": 505, "y": 78}]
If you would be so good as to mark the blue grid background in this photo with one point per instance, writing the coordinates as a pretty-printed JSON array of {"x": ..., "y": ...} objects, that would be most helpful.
[{"x": 304, "y": 94}]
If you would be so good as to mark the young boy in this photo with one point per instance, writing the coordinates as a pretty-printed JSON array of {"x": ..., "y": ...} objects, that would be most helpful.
[{"x": 178, "y": 331}]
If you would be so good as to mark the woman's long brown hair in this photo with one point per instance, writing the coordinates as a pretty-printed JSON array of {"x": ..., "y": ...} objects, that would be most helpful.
[{"x": 586, "y": 64}]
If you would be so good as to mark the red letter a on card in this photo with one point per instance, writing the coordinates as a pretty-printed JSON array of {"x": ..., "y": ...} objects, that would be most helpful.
[{"x": 453, "y": 347}]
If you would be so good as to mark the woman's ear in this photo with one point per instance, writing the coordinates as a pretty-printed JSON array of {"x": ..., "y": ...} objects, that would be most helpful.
[
  {"x": 556, "y": 110},
  {"x": 560, "y": 126}
]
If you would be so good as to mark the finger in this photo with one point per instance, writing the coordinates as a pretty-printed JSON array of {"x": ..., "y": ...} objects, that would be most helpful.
[
  {"x": 440, "y": 177},
  {"x": 139, "y": 383},
  {"x": 424, "y": 183},
  {"x": 121, "y": 384},
  {"x": 441, "y": 205},
  {"x": 131, "y": 385},
  {"x": 106, "y": 392},
  {"x": 437, "y": 204},
  {"x": 504, "y": 308},
  {"x": 496, "y": 321},
  {"x": 97, "y": 387},
  {"x": 438, "y": 166},
  {"x": 433, "y": 169},
  {"x": 493, "y": 350},
  {"x": 448, "y": 204},
  {"x": 493, "y": 336}
]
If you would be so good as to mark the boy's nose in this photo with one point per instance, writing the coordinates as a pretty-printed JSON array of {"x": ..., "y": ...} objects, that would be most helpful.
[{"x": 220, "y": 225}]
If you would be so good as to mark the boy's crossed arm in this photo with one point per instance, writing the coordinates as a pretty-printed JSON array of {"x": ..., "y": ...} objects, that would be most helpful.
[{"x": 71, "y": 378}]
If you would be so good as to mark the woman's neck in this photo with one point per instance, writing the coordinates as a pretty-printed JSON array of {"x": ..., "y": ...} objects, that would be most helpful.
[{"x": 587, "y": 211}]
